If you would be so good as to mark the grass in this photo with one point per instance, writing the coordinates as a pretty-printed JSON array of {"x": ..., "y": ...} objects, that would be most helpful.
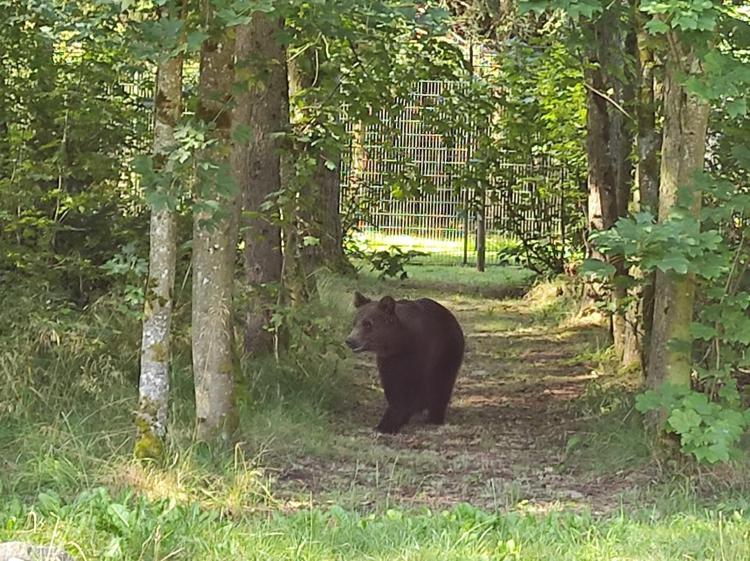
[
  {"x": 439, "y": 251},
  {"x": 67, "y": 475},
  {"x": 494, "y": 282},
  {"x": 123, "y": 526}
]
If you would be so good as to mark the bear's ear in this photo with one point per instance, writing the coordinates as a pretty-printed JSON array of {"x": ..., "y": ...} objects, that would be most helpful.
[
  {"x": 387, "y": 304},
  {"x": 360, "y": 300}
]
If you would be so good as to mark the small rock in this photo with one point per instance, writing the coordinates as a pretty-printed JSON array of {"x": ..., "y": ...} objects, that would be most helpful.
[
  {"x": 20, "y": 551},
  {"x": 574, "y": 495}
]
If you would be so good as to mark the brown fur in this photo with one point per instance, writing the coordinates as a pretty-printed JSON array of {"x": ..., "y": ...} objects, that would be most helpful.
[{"x": 419, "y": 347}]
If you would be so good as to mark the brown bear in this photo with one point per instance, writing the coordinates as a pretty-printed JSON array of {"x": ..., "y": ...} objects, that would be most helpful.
[{"x": 419, "y": 347}]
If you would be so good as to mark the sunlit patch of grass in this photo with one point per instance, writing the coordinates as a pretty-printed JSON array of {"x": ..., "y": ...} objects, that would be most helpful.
[
  {"x": 553, "y": 301},
  {"x": 443, "y": 248},
  {"x": 448, "y": 280}
]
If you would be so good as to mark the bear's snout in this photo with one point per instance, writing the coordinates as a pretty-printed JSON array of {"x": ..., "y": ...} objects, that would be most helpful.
[{"x": 353, "y": 344}]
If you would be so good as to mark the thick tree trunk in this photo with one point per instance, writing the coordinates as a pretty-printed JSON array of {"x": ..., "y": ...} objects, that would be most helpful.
[
  {"x": 153, "y": 387},
  {"x": 317, "y": 213},
  {"x": 214, "y": 244},
  {"x": 262, "y": 60},
  {"x": 602, "y": 200},
  {"x": 609, "y": 146},
  {"x": 683, "y": 150}
]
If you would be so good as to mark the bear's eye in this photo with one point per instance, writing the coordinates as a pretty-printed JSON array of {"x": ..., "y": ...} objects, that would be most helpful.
[{"x": 367, "y": 325}]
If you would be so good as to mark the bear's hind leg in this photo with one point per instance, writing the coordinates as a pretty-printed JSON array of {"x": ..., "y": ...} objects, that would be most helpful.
[
  {"x": 393, "y": 419},
  {"x": 436, "y": 412},
  {"x": 441, "y": 395}
]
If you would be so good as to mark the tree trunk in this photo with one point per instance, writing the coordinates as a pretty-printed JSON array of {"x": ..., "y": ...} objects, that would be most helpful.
[
  {"x": 648, "y": 143},
  {"x": 621, "y": 149},
  {"x": 214, "y": 244},
  {"x": 153, "y": 387},
  {"x": 602, "y": 200},
  {"x": 683, "y": 150},
  {"x": 262, "y": 59},
  {"x": 609, "y": 146},
  {"x": 318, "y": 190},
  {"x": 331, "y": 236},
  {"x": 648, "y": 140}
]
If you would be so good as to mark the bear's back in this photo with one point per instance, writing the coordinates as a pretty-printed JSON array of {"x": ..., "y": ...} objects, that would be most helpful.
[{"x": 433, "y": 327}]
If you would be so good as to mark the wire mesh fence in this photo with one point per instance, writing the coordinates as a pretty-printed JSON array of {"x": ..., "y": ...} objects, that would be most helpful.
[{"x": 520, "y": 200}]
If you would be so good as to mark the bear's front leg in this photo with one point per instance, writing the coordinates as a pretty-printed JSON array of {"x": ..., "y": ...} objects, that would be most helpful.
[{"x": 393, "y": 419}]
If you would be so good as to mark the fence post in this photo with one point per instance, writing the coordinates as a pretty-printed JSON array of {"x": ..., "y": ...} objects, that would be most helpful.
[
  {"x": 469, "y": 145},
  {"x": 466, "y": 225},
  {"x": 562, "y": 219},
  {"x": 481, "y": 228}
]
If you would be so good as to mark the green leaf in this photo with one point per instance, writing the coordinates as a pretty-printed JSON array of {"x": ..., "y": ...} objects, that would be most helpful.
[
  {"x": 677, "y": 263},
  {"x": 656, "y": 26},
  {"x": 597, "y": 268},
  {"x": 195, "y": 40},
  {"x": 683, "y": 421},
  {"x": 535, "y": 6},
  {"x": 702, "y": 331},
  {"x": 737, "y": 107},
  {"x": 648, "y": 401},
  {"x": 143, "y": 165},
  {"x": 741, "y": 153}
]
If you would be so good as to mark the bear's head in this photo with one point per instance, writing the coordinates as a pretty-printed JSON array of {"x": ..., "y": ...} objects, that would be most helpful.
[{"x": 376, "y": 327}]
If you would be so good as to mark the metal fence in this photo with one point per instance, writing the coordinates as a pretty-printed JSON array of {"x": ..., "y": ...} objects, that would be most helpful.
[{"x": 522, "y": 199}]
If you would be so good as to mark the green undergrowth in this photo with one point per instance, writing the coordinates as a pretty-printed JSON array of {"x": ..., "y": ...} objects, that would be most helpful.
[
  {"x": 67, "y": 474},
  {"x": 100, "y": 525}
]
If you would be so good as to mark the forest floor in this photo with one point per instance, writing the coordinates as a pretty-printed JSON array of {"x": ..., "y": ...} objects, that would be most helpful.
[
  {"x": 515, "y": 430},
  {"x": 542, "y": 457}
]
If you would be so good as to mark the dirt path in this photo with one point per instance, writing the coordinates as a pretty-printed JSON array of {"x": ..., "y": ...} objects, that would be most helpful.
[{"x": 506, "y": 431}]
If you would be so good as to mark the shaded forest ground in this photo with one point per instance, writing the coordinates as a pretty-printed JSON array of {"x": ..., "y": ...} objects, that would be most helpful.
[
  {"x": 541, "y": 440},
  {"x": 516, "y": 431}
]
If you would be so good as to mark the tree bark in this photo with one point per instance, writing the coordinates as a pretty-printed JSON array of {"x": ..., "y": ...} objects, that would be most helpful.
[
  {"x": 621, "y": 150},
  {"x": 648, "y": 140},
  {"x": 214, "y": 245},
  {"x": 153, "y": 387},
  {"x": 331, "y": 231},
  {"x": 318, "y": 213},
  {"x": 648, "y": 144},
  {"x": 609, "y": 146},
  {"x": 683, "y": 150},
  {"x": 602, "y": 200},
  {"x": 262, "y": 62}
]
